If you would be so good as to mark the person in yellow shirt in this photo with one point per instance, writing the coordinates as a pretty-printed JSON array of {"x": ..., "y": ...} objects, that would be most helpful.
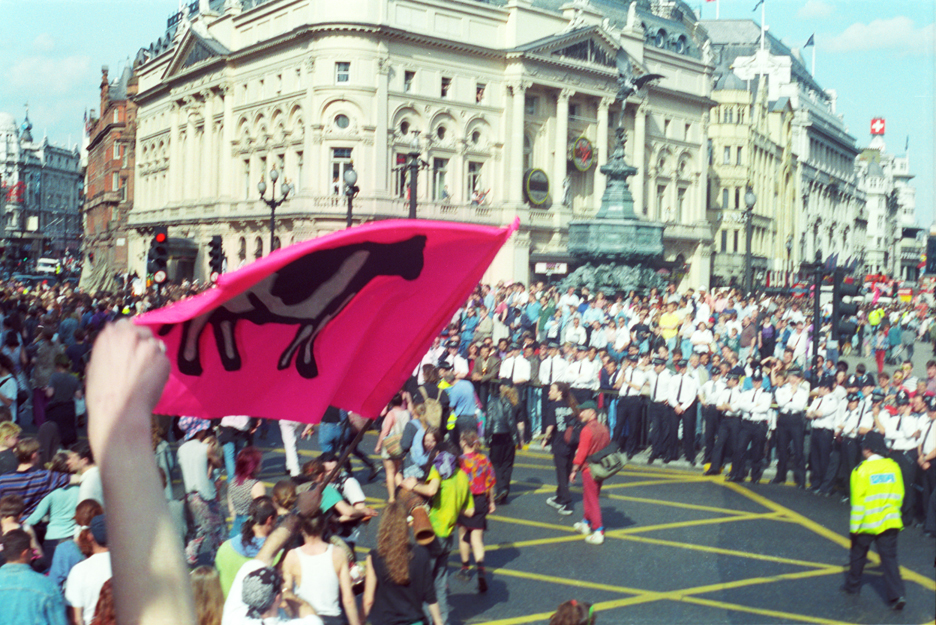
[
  {"x": 877, "y": 492},
  {"x": 669, "y": 325}
]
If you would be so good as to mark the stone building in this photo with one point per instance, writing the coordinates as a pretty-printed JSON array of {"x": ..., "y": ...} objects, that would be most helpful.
[
  {"x": 511, "y": 100},
  {"x": 892, "y": 246},
  {"x": 41, "y": 196},
  {"x": 829, "y": 213},
  {"x": 109, "y": 187},
  {"x": 751, "y": 147}
]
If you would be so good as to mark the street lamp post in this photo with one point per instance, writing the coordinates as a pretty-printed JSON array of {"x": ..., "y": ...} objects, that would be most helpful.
[
  {"x": 350, "y": 178},
  {"x": 749, "y": 200},
  {"x": 789, "y": 252},
  {"x": 415, "y": 163},
  {"x": 285, "y": 189}
]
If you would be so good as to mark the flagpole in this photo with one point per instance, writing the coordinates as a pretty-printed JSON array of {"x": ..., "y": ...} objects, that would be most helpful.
[
  {"x": 763, "y": 19},
  {"x": 814, "y": 60},
  {"x": 717, "y": 9}
]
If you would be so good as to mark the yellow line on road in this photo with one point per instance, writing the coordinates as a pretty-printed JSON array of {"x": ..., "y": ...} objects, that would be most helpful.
[
  {"x": 676, "y": 504},
  {"x": 533, "y": 543},
  {"x": 799, "y": 519},
  {"x": 725, "y": 552},
  {"x": 767, "y": 516}
]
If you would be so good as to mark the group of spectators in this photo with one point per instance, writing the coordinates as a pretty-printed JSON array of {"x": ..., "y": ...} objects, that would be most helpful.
[{"x": 664, "y": 374}]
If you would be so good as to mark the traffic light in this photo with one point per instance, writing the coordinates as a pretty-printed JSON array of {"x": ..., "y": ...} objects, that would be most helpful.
[
  {"x": 158, "y": 258},
  {"x": 215, "y": 257},
  {"x": 841, "y": 311}
]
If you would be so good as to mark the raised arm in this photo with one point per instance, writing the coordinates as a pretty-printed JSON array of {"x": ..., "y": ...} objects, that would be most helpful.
[{"x": 126, "y": 375}]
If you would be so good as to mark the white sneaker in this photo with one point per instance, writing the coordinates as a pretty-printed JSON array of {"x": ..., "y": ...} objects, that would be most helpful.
[
  {"x": 553, "y": 501},
  {"x": 582, "y": 527},
  {"x": 595, "y": 538}
]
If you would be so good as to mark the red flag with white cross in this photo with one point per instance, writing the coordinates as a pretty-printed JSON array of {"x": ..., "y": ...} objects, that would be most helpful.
[{"x": 877, "y": 126}]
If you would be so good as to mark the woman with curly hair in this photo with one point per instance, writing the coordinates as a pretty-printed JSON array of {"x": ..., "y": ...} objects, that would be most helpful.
[{"x": 399, "y": 575}]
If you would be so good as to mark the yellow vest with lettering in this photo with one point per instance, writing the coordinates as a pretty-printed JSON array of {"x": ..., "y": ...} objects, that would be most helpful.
[{"x": 877, "y": 492}]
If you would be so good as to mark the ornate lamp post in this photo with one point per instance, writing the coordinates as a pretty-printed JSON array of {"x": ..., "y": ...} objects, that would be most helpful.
[
  {"x": 413, "y": 166},
  {"x": 749, "y": 200},
  {"x": 285, "y": 189},
  {"x": 789, "y": 252},
  {"x": 350, "y": 179}
]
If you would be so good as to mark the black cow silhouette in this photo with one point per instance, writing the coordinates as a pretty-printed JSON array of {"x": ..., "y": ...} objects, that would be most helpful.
[{"x": 308, "y": 292}]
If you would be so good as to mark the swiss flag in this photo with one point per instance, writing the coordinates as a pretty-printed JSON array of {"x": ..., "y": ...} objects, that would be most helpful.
[{"x": 877, "y": 126}]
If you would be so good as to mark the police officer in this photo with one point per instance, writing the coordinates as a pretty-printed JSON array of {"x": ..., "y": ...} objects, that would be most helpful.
[
  {"x": 856, "y": 423},
  {"x": 757, "y": 420},
  {"x": 708, "y": 397},
  {"x": 903, "y": 432},
  {"x": 729, "y": 427},
  {"x": 821, "y": 414},
  {"x": 792, "y": 397},
  {"x": 630, "y": 405},
  {"x": 684, "y": 395},
  {"x": 658, "y": 408},
  {"x": 877, "y": 492}
]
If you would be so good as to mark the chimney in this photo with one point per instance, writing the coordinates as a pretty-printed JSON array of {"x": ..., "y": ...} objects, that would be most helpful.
[{"x": 105, "y": 90}]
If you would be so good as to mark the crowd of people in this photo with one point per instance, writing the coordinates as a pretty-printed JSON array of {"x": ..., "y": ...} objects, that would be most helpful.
[{"x": 708, "y": 378}]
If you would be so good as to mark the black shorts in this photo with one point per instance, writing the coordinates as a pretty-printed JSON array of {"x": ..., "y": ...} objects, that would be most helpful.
[{"x": 479, "y": 520}]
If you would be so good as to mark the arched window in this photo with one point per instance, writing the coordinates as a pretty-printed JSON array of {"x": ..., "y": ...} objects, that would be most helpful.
[
  {"x": 527, "y": 153},
  {"x": 258, "y": 248},
  {"x": 242, "y": 249}
]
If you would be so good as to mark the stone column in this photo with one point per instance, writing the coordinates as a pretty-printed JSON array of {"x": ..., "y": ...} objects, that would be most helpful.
[
  {"x": 515, "y": 178},
  {"x": 561, "y": 161},
  {"x": 208, "y": 155},
  {"x": 640, "y": 149},
  {"x": 602, "y": 146},
  {"x": 190, "y": 175},
  {"x": 175, "y": 155},
  {"x": 226, "y": 140},
  {"x": 381, "y": 146}
]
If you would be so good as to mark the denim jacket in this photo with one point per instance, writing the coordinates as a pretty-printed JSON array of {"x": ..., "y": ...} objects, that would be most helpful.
[{"x": 28, "y": 597}]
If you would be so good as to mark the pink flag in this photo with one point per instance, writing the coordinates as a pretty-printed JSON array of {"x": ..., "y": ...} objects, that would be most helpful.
[{"x": 339, "y": 320}]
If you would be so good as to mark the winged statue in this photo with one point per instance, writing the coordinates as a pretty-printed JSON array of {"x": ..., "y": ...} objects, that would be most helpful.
[{"x": 628, "y": 83}]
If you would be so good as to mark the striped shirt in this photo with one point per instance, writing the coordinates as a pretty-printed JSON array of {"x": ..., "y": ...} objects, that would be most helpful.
[{"x": 32, "y": 486}]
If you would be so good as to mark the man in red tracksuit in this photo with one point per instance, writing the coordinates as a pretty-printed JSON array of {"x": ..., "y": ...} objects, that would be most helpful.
[{"x": 594, "y": 437}]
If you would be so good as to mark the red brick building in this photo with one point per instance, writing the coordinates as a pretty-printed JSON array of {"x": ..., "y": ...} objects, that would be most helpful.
[{"x": 109, "y": 182}]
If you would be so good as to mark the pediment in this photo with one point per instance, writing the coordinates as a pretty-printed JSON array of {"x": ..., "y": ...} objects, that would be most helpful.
[
  {"x": 193, "y": 50},
  {"x": 590, "y": 44}
]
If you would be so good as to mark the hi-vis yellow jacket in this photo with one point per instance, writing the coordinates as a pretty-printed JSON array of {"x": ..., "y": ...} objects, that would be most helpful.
[{"x": 877, "y": 492}]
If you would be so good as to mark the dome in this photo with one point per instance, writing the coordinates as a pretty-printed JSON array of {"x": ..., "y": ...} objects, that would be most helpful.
[{"x": 7, "y": 123}]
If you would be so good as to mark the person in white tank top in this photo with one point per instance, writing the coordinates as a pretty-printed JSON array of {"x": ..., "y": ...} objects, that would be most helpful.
[{"x": 320, "y": 574}]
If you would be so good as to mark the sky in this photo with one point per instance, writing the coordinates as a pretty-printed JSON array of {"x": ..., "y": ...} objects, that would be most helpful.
[{"x": 879, "y": 56}]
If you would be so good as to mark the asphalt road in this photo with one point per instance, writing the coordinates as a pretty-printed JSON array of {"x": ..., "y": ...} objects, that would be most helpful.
[{"x": 679, "y": 548}]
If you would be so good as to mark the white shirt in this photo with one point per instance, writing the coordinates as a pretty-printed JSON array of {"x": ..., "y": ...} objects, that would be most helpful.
[
  {"x": 730, "y": 397},
  {"x": 574, "y": 334},
  {"x": 516, "y": 369},
  {"x": 635, "y": 376},
  {"x": 755, "y": 404},
  {"x": 828, "y": 406},
  {"x": 683, "y": 390},
  {"x": 83, "y": 586},
  {"x": 899, "y": 430},
  {"x": 583, "y": 374},
  {"x": 235, "y": 610},
  {"x": 710, "y": 391},
  {"x": 552, "y": 370},
  {"x": 659, "y": 385},
  {"x": 928, "y": 437},
  {"x": 791, "y": 399},
  {"x": 857, "y": 419},
  {"x": 193, "y": 460},
  {"x": 91, "y": 487}
]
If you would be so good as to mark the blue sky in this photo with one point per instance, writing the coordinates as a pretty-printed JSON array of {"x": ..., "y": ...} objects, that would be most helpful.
[{"x": 879, "y": 56}]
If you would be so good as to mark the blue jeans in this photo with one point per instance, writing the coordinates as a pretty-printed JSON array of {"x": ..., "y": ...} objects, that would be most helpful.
[
  {"x": 535, "y": 408},
  {"x": 329, "y": 437},
  {"x": 231, "y": 450}
]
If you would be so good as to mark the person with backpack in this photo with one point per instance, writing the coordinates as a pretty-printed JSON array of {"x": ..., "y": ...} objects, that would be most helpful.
[{"x": 593, "y": 438}]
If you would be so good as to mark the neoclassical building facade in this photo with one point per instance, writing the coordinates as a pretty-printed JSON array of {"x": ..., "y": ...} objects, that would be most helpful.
[{"x": 510, "y": 105}]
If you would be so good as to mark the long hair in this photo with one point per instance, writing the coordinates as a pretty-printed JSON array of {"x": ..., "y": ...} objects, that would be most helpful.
[
  {"x": 209, "y": 598},
  {"x": 84, "y": 512},
  {"x": 573, "y": 612},
  {"x": 393, "y": 542},
  {"x": 105, "y": 612},
  {"x": 510, "y": 394},
  {"x": 260, "y": 511},
  {"x": 247, "y": 464},
  {"x": 284, "y": 494},
  {"x": 566, "y": 391}
]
